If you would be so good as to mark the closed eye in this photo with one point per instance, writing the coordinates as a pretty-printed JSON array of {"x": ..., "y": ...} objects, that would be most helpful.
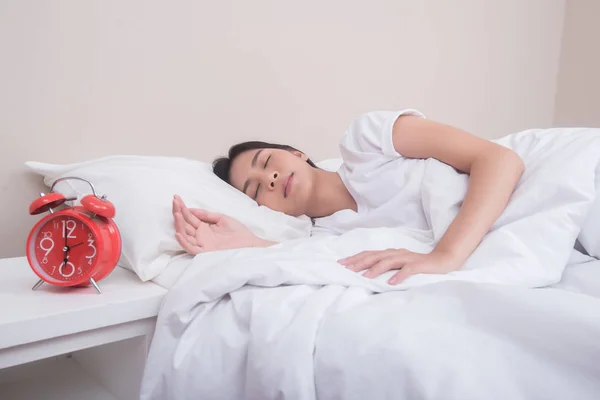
[
  {"x": 256, "y": 193},
  {"x": 258, "y": 186}
]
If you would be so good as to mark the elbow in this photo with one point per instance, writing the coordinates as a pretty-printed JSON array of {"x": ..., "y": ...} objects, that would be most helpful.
[
  {"x": 518, "y": 162},
  {"x": 503, "y": 159},
  {"x": 512, "y": 161}
]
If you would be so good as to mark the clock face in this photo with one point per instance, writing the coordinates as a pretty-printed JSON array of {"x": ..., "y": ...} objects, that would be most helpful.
[{"x": 64, "y": 248}]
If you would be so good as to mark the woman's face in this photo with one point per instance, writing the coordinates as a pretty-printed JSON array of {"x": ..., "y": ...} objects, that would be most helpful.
[{"x": 278, "y": 179}]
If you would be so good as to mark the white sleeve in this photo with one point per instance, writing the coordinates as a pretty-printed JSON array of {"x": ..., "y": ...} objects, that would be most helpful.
[{"x": 371, "y": 133}]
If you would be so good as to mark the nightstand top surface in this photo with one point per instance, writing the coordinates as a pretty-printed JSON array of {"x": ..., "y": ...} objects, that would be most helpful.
[{"x": 50, "y": 311}]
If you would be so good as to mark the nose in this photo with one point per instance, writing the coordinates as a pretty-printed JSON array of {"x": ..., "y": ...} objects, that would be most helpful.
[{"x": 273, "y": 175}]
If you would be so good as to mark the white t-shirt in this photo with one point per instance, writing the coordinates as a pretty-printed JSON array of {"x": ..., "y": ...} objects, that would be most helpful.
[{"x": 385, "y": 185}]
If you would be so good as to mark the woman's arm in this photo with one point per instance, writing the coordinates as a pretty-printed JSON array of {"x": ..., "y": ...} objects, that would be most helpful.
[{"x": 494, "y": 172}]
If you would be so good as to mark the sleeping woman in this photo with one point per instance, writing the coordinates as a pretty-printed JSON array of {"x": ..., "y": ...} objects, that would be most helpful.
[{"x": 378, "y": 184}]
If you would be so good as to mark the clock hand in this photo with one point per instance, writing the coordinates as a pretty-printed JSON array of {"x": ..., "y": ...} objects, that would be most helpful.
[
  {"x": 75, "y": 245},
  {"x": 66, "y": 248},
  {"x": 65, "y": 233}
]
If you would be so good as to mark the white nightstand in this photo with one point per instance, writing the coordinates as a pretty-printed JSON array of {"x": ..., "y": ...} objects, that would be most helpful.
[{"x": 65, "y": 343}]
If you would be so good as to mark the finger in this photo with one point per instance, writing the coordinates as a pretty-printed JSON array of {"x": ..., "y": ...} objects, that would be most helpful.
[
  {"x": 384, "y": 265},
  {"x": 370, "y": 259},
  {"x": 206, "y": 216},
  {"x": 176, "y": 206},
  {"x": 179, "y": 203},
  {"x": 366, "y": 262},
  {"x": 354, "y": 258},
  {"x": 401, "y": 275},
  {"x": 190, "y": 218},
  {"x": 191, "y": 239},
  {"x": 360, "y": 256},
  {"x": 179, "y": 222},
  {"x": 187, "y": 246},
  {"x": 359, "y": 259},
  {"x": 179, "y": 200},
  {"x": 183, "y": 227}
]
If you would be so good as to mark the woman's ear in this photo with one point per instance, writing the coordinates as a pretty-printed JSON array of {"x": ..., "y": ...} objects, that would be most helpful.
[{"x": 300, "y": 154}]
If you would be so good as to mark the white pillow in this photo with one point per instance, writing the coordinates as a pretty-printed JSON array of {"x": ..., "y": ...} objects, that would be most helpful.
[
  {"x": 331, "y": 164},
  {"x": 142, "y": 189}
]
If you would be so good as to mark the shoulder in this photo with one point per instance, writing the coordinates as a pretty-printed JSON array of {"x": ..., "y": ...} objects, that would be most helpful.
[{"x": 371, "y": 132}]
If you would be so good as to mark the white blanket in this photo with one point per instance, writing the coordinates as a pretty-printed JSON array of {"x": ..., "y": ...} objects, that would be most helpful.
[{"x": 288, "y": 322}]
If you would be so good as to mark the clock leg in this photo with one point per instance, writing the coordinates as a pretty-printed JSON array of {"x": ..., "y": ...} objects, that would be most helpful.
[
  {"x": 37, "y": 285},
  {"x": 93, "y": 282}
]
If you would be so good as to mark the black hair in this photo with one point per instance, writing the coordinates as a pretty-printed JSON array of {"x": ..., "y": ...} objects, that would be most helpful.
[{"x": 222, "y": 165}]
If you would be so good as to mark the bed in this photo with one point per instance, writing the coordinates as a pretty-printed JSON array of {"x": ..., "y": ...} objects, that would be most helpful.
[{"x": 519, "y": 320}]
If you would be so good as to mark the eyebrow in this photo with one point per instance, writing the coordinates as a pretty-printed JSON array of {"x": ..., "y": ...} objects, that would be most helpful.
[{"x": 253, "y": 165}]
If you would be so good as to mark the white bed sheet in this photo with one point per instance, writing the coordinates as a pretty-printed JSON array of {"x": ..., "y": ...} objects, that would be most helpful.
[
  {"x": 582, "y": 274},
  {"x": 451, "y": 340}
]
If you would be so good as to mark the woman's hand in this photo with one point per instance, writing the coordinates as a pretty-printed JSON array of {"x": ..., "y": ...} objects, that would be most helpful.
[
  {"x": 200, "y": 231},
  {"x": 407, "y": 262}
]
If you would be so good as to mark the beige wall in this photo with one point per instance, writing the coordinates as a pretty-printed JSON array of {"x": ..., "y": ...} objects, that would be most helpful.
[
  {"x": 578, "y": 97},
  {"x": 83, "y": 79}
]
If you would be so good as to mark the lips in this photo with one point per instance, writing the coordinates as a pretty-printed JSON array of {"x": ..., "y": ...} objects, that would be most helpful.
[{"x": 288, "y": 185}]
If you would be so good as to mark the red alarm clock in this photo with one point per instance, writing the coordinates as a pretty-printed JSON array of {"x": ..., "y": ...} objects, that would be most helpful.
[{"x": 75, "y": 246}]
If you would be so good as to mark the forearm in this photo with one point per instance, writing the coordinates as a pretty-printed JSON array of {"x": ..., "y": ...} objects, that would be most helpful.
[{"x": 491, "y": 184}]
